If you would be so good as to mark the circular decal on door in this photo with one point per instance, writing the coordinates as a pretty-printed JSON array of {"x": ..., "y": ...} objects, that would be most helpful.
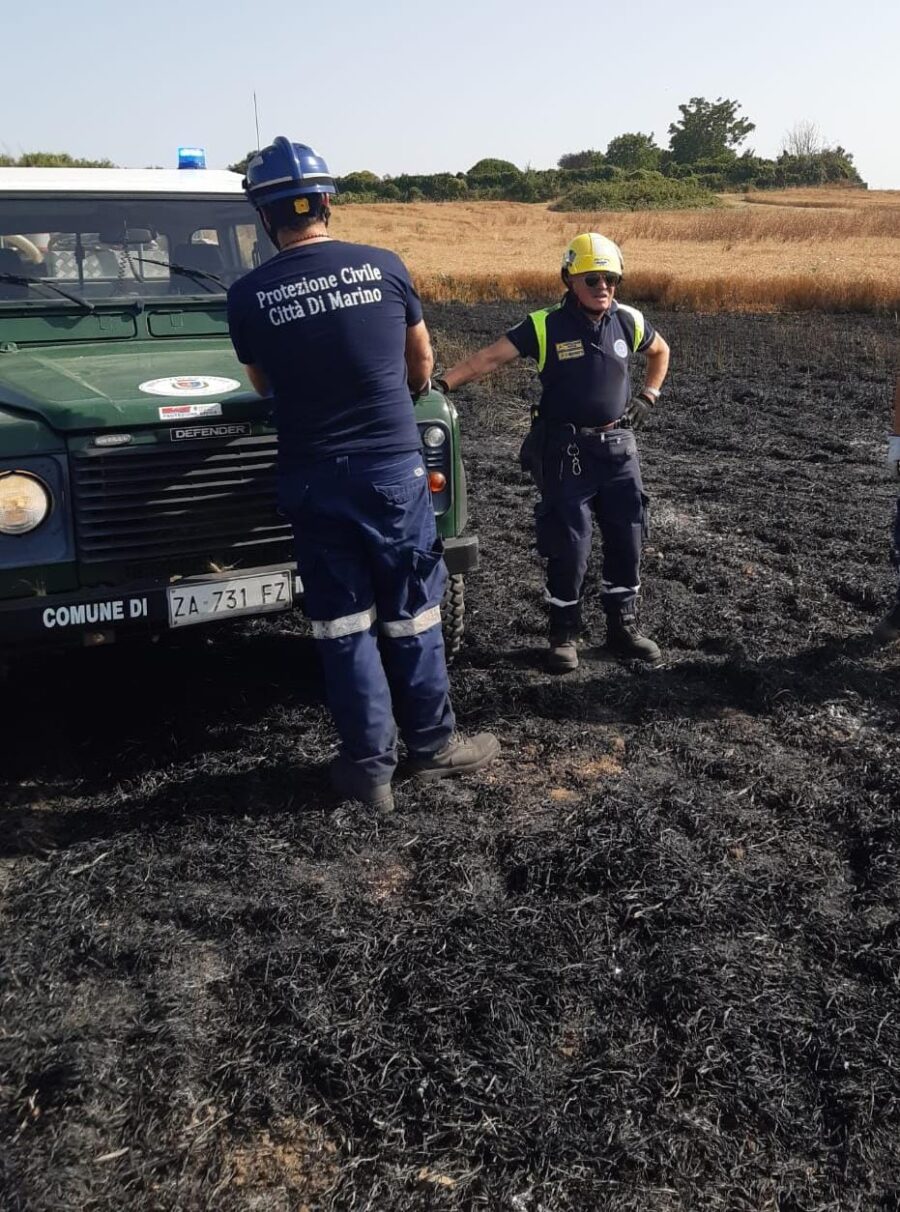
[
  {"x": 191, "y": 386},
  {"x": 621, "y": 348}
]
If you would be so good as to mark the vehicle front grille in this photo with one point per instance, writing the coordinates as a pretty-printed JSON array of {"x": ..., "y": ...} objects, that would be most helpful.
[{"x": 151, "y": 504}]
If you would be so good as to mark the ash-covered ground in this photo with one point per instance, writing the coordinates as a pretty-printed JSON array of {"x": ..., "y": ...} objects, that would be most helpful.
[{"x": 648, "y": 962}]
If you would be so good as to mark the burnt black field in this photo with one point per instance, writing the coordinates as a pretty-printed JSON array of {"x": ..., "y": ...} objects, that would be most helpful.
[{"x": 648, "y": 962}]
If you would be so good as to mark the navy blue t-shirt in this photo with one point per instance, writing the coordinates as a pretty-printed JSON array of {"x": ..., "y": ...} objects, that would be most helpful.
[
  {"x": 327, "y": 322},
  {"x": 583, "y": 366}
]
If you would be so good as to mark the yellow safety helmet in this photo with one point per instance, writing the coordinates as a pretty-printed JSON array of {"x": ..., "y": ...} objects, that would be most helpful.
[{"x": 591, "y": 251}]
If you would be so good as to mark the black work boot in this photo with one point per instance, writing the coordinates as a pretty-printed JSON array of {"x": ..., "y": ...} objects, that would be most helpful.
[
  {"x": 624, "y": 638},
  {"x": 349, "y": 786},
  {"x": 563, "y": 654},
  {"x": 888, "y": 630},
  {"x": 459, "y": 756}
]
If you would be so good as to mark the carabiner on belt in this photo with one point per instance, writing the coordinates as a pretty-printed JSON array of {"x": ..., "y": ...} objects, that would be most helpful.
[{"x": 573, "y": 452}]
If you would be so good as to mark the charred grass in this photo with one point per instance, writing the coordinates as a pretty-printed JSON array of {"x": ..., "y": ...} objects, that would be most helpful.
[{"x": 647, "y": 962}]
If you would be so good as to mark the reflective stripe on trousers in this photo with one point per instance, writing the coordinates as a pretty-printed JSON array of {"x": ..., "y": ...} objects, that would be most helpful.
[
  {"x": 349, "y": 624},
  {"x": 414, "y": 626}
]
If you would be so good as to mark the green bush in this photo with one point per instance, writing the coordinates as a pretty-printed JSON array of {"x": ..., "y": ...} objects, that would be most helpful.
[
  {"x": 490, "y": 168},
  {"x": 362, "y": 182},
  {"x": 446, "y": 188},
  {"x": 830, "y": 166},
  {"x": 533, "y": 187},
  {"x": 652, "y": 192},
  {"x": 55, "y": 160},
  {"x": 581, "y": 160},
  {"x": 347, "y": 197}
]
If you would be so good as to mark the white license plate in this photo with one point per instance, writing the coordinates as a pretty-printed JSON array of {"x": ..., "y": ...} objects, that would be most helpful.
[{"x": 206, "y": 601}]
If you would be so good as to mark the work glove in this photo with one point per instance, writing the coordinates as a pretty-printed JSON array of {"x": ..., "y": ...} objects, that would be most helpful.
[
  {"x": 638, "y": 410},
  {"x": 893, "y": 454},
  {"x": 423, "y": 391}
]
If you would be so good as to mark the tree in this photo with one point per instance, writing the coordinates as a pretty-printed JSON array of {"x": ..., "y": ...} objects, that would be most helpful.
[
  {"x": 361, "y": 182},
  {"x": 240, "y": 166},
  {"x": 707, "y": 129},
  {"x": 803, "y": 139},
  {"x": 633, "y": 151},
  {"x": 490, "y": 168},
  {"x": 582, "y": 159},
  {"x": 53, "y": 160}
]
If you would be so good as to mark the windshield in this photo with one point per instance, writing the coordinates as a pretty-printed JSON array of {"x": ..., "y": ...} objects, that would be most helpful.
[{"x": 119, "y": 248}]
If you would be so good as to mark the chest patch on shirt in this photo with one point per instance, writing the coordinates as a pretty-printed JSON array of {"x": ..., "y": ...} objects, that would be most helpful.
[
  {"x": 621, "y": 348},
  {"x": 569, "y": 349}
]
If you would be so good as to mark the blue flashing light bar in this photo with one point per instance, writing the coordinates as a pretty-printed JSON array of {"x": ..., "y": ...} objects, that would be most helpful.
[{"x": 191, "y": 157}]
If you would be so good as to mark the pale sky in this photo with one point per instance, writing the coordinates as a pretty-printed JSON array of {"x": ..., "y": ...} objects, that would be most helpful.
[{"x": 399, "y": 86}]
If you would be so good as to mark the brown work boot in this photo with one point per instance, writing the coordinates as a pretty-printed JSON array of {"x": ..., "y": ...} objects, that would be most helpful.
[
  {"x": 888, "y": 630},
  {"x": 563, "y": 654},
  {"x": 459, "y": 756},
  {"x": 624, "y": 638}
]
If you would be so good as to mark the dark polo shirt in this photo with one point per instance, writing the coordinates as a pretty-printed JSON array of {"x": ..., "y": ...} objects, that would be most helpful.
[
  {"x": 327, "y": 323},
  {"x": 584, "y": 367}
]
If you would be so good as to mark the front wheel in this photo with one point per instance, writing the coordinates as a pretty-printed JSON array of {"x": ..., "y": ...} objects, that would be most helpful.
[{"x": 453, "y": 611}]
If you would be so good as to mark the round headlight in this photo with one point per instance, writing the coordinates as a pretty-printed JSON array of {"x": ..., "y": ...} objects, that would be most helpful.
[
  {"x": 434, "y": 435},
  {"x": 24, "y": 503}
]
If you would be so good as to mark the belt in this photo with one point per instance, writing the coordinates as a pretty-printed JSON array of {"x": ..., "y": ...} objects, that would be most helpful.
[{"x": 598, "y": 431}]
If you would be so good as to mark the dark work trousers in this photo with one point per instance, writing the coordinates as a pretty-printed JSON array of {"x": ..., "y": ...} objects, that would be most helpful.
[
  {"x": 895, "y": 545},
  {"x": 586, "y": 476},
  {"x": 373, "y": 578}
]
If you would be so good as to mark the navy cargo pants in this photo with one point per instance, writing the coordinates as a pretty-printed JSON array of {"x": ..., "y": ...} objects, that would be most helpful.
[
  {"x": 584, "y": 475},
  {"x": 895, "y": 545},
  {"x": 373, "y": 578}
]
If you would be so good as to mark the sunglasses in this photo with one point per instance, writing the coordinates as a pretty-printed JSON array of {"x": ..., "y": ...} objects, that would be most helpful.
[{"x": 609, "y": 280}]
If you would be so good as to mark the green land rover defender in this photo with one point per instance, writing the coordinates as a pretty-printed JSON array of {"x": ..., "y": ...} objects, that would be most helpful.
[{"x": 137, "y": 465}]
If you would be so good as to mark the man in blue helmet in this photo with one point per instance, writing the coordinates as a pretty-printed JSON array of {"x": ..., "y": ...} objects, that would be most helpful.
[{"x": 334, "y": 332}]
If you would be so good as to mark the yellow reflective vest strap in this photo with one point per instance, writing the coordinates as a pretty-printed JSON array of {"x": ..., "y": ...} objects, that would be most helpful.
[
  {"x": 638, "y": 318},
  {"x": 539, "y": 320}
]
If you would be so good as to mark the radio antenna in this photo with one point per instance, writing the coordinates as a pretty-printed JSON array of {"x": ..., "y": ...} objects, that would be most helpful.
[{"x": 256, "y": 118}]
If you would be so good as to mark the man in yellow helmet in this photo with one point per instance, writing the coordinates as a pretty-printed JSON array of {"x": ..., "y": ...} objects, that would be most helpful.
[{"x": 581, "y": 449}]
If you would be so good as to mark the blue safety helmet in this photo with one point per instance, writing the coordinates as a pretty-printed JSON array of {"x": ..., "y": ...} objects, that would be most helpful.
[{"x": 286, "y": 170}]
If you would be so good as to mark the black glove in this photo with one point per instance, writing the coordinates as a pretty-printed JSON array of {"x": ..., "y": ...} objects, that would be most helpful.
[
  {"x": 441, "y": 386},
  {"x": 638, "y": 410},
  {"x": 423, "y": 391}
]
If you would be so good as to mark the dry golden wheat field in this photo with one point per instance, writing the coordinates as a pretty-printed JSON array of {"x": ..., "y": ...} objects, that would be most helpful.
[{"x": 804, "y": 249}]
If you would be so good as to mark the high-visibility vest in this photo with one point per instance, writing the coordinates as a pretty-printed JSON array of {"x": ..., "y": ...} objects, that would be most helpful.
[{"x": 539, "y": 320}]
